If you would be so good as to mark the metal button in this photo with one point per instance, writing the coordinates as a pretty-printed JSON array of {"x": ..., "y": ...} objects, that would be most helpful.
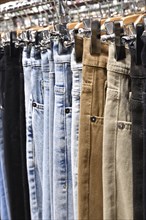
[
  {"x": 1, "y": 107},
  {"x": 34, "y": 104},
  {"x": 67, "y": 110},
  {"x": 93, "y": 119},
  {"x": 121, "y": 125}
]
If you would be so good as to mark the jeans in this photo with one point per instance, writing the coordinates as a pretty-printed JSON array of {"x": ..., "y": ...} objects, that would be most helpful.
[
  {"x": 76, "y": 90},
  {"x": 4, "y": 199},
  {"x": 15, "y": 134},
  {"x": 51, "y": 122},
  {"x": 62, "y": 175},
  {"x": 138, "y": 83},
  {"x": 35, "y": 129},
  {"x": 26, "y": 61},
  {"x": 46, "y": 209},
  {"x": 117, "y": 146},
  {"x": 94, "y": 74},
  {"x": 143, "y": 55}
]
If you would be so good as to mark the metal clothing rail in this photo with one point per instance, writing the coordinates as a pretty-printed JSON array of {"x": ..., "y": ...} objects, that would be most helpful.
[
  {"x": 30, "y": 7},
  {"x": 71, "y": 10},
  {"x": 24, "y": 5}
]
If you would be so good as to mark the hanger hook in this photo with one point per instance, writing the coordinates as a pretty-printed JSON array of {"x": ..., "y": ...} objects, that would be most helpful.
[
  {"x": 76, "y": 7},
  {"x": 56, "y": 11},
  {"x": 88, "y": 7},
  {"x": 27, "y": 16}
]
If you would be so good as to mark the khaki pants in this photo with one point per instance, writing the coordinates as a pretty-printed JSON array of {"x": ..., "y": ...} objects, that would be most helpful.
[
  {"x": 90, "y": 195},
  {"x": 117, "y": 147}
]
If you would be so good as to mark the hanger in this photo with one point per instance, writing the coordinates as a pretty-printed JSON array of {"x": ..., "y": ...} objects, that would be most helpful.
[
  {"x": 76, "y": 24},
  {"x": 108, "y": 23},
  {"x": 130, "y": 19},
  {"x": 82, "y": 23},
  {"x": 139, "y": 19}
]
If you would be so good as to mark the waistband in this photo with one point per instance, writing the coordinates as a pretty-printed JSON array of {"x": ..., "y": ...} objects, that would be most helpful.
[
  {"x": 26, "y": 52},
  {"x": 122, "y": 66},
  {"x": 137, "y": 71},
  {"x": 35, "y": 53},
  {"x": 94, "y": 60},
  {"x": 12, "y": 52},
  {"x": 64, "y": 57}
]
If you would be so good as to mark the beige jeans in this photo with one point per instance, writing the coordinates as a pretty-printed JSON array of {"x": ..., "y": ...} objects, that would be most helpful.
[
  {"x": 90, "y": 194},
  {"x": 117, "y": 148}
]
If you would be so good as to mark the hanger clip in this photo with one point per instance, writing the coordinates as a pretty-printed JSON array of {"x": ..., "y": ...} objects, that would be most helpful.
[
  {"x": 120, "y": 52},
  {"x": 61, "y": 29},
  {"x": 95, "y": 47}
]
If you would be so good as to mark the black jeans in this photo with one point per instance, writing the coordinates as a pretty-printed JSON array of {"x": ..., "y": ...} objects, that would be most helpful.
[
  {"x": 143, "y": 58},
  {"x": 138, "y": 81},
  {"x": 2, "y": 77},
  {"x": 15, "y": 135}
]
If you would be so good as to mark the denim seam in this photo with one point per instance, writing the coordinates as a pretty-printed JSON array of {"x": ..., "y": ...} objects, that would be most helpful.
[
  {"x": 97, "y": 65},
  {"x": 115, "y": 147},
  {"x": 118, "y": 69}
]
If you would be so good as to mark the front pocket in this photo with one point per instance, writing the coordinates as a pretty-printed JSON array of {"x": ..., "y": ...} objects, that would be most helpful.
[{"x": 59, "y": 90}]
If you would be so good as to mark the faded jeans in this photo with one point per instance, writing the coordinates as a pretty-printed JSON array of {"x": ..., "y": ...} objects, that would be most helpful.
[
  {"x": 35, "y": 129},
  {"x": 76, "y": 91},
  {"x": 62, "y": 171}
]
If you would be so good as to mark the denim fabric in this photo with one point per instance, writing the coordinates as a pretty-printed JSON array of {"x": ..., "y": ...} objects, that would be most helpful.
[
  {"x": 3, "y": 205},
  {"x": 46, "y": 169},
  {"x": 76, "y": 90},
  {"x": 143, "y": 55},
  {"x": 94, "y": 75},
  {"x": 62, "y": 176},
  {"x": 35, "y": 136},
  {"x": 51, "y": 121},
  {"x": 14, "y": 135},
  {"x": 117, "y": 146},
  {"x": 26, "y": 61},
  {"x": 2, "y": 77},
  {"x": 144, "y": 155},
  {"x": 138, "y": 82},
  {"x": 31, "y": 168},
  {"x": 4, "y": 199}
]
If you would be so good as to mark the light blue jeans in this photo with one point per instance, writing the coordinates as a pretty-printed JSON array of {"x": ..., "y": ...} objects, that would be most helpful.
[
  {"x": 26, "y": 61},
  {"x": 4, "y": 199},
  {"x": 51, "y": 122},
  {"x": 46, "y": 205},
  {"x": 49, "y": 81},
  {"x": 62, "y": 171},
  {"x": 76, "y": 90},
  {"x": 35, "y": 127}
]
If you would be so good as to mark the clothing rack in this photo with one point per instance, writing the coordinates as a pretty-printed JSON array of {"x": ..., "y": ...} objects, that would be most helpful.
[
  {"x": 48, "y": 12},
  {"x": 73, "y": 8}
]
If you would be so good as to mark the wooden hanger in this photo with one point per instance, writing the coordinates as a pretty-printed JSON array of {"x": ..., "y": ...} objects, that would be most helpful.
[
  {"x": 130, "y": 19},
  {"x": 71, "y": 26},
  {"x": 139, "y": 19}
]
